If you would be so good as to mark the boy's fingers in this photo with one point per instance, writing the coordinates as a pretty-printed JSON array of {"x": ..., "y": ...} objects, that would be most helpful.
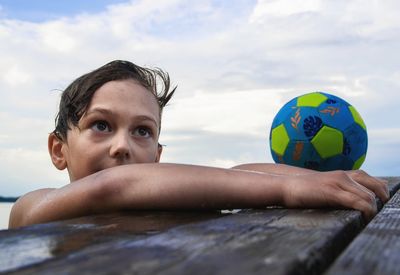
[
  {"x": 378, "y": 186},
  {"x": 384, "y": 183},
  {"x": 359, "y": 197},
  {"x": 360, "y": 192},
  {"x": 358, "y": 201},
  {"x": 368, "y": 210}
]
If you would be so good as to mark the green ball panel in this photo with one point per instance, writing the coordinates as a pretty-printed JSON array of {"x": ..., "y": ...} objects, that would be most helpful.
[
  {"x": 357, "y": 117},
  {"x": 328, "y": 142},
  {"x": 359, "y": 162},
  {"x": 279, "y": 139},
  {"x": 311, "y": 100}
]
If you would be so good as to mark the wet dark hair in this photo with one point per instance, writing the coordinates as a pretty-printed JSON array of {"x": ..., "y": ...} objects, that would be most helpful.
[{"x": 76, "y": 98}]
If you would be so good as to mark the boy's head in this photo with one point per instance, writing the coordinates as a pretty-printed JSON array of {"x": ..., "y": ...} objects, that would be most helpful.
[
  {"x": 109, "y": 117},
  {"x": 77, "y": 96}
]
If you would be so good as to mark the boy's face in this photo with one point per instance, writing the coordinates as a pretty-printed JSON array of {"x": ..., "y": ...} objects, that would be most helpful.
[{"x": 120, "y": 126}]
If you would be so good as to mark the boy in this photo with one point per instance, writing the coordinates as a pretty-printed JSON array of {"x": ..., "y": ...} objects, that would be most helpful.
[{"x": 107, "y": 133}]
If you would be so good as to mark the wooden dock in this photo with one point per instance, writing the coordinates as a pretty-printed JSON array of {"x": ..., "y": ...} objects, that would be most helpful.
[{"x": 260, "y": 241}]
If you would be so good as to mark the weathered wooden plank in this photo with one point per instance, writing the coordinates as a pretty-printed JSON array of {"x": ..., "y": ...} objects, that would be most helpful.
[
  {"x": 38, "y": 243},
  {"x": 277, "y": 241},
  {"x": 394, "y": 186},
  {"x": 273, "y": 241},
  {"x": 376, "y": 250}
]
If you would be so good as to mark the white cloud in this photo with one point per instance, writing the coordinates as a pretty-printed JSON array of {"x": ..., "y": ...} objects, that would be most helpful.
[
  {"x": 16, "y": 76},
  {"x": 283, "y": 8},
  {"x": 58, "y": 36},
  {"x": 378, "y": 17},
  {"x": 385, "y": 136},
  {"x": 231, "y": 112}
]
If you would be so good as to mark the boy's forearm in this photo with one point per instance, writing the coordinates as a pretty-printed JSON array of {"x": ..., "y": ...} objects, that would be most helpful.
[
  {"x": 173, "y": 186},
  {"x": 156, "y": 186},
  {"x": 273, "y": 168}
]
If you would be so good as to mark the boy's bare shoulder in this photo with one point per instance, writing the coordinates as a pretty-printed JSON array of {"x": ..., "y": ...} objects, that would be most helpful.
[{"x": 24, "y": 204}]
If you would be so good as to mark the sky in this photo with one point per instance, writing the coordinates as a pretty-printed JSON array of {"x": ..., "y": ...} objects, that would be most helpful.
[{"x": 235, "y": 62}]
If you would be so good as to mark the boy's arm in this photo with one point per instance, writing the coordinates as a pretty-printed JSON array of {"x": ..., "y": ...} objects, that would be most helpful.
[
  {"x": 282, "y": 169},
  {"x": 20, "y": 210},
  {"x": 146, "y": 186},
  {"x": 172, "y": 186},
  {"x": 378, "y": 186}
]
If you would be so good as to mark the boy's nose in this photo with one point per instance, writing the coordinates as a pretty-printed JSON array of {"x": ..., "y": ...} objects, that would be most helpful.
[{"x": 121, "y": 147}]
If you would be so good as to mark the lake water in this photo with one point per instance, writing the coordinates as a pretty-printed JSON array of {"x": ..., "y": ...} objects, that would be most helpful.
[{"x": 5, "y": 209}]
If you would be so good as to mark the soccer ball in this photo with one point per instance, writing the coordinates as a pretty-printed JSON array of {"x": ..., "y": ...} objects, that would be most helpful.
[{"x": 319, "y": 131}]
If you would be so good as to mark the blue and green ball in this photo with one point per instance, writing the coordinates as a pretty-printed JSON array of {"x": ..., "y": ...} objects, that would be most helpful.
[{"x": 319, "y": 131}]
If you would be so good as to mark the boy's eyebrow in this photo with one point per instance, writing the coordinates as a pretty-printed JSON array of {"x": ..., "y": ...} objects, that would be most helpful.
[
  {"x": 143, "y": 118},
  {"x": 110, "y": 112}
]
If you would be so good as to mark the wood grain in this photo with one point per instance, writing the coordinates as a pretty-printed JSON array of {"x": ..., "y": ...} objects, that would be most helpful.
[{"x": 376, "y": 250}]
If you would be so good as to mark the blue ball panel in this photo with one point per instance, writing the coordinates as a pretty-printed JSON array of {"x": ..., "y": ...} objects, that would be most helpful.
[
  {"x": 332, "y": 98},
  {"x": 336, "y": 115},
  {"x": 356, "y": 142},
  {"x": 302, "y": 123},
  {"x": 300, "y": 153},
  {"x": 283, "y": 113},
  {"x": 337, "y": 162}
]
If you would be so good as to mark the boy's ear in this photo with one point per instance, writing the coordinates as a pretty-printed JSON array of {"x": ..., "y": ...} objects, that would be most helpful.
[
  {"x": 159, "y": 151},
  {"x": 55, "y": 146}
]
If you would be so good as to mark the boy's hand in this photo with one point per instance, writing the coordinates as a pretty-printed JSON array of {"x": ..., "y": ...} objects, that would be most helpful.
[
  {"x": 350, "y": 189},
  {"x": 378, "y": 186}
]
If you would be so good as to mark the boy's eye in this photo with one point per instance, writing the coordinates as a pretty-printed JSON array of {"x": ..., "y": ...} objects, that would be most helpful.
[
  {"x": 142, "y": 132},
  {"x": 101, "y": 126}
]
